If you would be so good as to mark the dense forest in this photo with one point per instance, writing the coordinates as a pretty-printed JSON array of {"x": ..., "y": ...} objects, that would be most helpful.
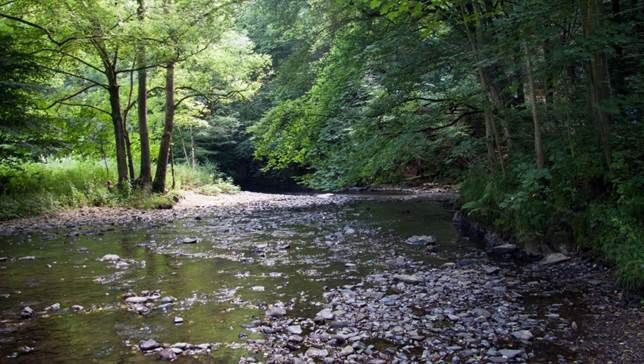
[{"x": 534, "y": 109}]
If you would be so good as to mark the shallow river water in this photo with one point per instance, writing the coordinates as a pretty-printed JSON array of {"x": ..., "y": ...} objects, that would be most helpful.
[{"x": 241, "y": 263}]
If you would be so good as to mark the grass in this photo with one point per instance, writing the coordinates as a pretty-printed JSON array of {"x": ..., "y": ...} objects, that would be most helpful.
[{"x": 30, "y": 189}]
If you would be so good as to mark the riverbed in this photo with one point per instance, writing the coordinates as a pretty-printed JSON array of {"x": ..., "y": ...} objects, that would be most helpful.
[{"x": 325, "y": 278}]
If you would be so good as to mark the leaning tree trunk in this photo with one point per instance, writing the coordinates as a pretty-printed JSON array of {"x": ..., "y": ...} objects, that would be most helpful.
[
  {"x": 166, "y": 139},
  {"x": 142, "y": 99},
  {"x": 538, "y": 143}
]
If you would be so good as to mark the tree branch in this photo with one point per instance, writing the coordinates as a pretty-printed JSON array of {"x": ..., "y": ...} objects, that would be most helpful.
[
  {"x": 86, "y": 105},
  {"x": 71, "y": 96},
  {"x": 75, "y": 75},
  {"x": 39, "y": 27}
]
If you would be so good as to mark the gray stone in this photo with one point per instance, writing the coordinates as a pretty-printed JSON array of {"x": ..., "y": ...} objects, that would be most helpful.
[
  {"x": 189, "y": 240},
  {"x": 407, "y": 278},
  {"x": 347, "y": 350},
  {"x": 27, "y": 313},
  {"x": 523, "y": 335},
  {"x": 510, "y": 353},
  {"x": 149, "y": 344},
  {"x": 553, "y": 259},
  {"x": 167, "y": 355},
  {"x": 276, "y": 310},
  {"x": 77, "y": 308},
  {"x": 54, "y": 307},
  {"x": 324, "y": 315},
  {"x": 178, "y": 320},
  {"x": 136, "y": 300},
  {"x": 110, "y": 258},
  {"x": 316, "y": 353},
  {"x": 421, "y": 240},
  {"x": 294, "y": 329},
  {"x": 503, "y": 249}
]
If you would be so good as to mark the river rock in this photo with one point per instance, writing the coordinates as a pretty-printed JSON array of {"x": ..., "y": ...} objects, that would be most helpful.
[
  {"x": 294, "y": 329},
  {"x": 167, "y": 355},
  {"x": 421, "y": 240},
  {"x": 149, "y": 344},
  {"x": 407, "y": 278},
  {"x": 27, "y": 313},
  {"x": 503, "y": 249},
  {"x": 167, "y": 299},
  {"x": 316, "y": 353},
  {"x": 77, "y": 308},
  {"x": 276, "y": 310},
  {"x": 347, "y": 350},
  {"x": 523, "y": 335},
  {"x": 136, "y": 300},
  {"x": 324, "y": 315},
  {"x": 511, "y": 353},
  {"x": 553, "y": 259},
  {"x": 54, "y": 307},
  {"x": 110, "y": 258},
  {"x": 189, "y": 241},
  {"x": 178, "y": 320}
]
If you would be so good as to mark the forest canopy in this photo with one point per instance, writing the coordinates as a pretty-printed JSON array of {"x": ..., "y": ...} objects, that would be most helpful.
[{"x": 533, "y": 108}]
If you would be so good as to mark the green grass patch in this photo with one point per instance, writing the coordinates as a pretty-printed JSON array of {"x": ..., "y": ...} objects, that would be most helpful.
[{"x": 31, "y": 188}]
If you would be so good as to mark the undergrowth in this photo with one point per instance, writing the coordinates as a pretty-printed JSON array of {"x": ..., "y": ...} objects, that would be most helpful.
[
  {"x": 31, "y": 188},
  {"x": 601, "y": 214}
]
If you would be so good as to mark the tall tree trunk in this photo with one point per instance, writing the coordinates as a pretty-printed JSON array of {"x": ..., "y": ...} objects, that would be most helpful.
[
  {"x": 128, "y": 151},
  {"x": 117, "y": 121},
  {"x": 142, "y": 108},
  {"x": 192, "y": 149},
  {"x": 183, "y": 146},
  {"x": 174, "y": 185},
  {"x": 599, "y": 80},
  {"x": 166, "y": 139},
  {"x": 489, "y": 140},
  {"x": 538, "y": 144}
]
